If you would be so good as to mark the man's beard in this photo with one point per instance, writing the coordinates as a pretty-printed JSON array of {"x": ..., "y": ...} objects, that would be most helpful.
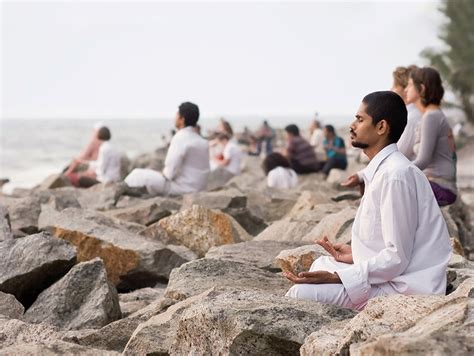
[{"x": 356, "y": 143}]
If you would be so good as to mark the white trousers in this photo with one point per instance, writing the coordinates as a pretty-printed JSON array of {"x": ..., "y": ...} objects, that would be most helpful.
[
  {"x": 329, "y": 293},
  {"x": 155, "y": 182}
]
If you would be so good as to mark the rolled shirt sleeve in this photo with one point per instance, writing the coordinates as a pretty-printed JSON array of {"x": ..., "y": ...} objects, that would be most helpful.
[{"x": 398, "y": 215}]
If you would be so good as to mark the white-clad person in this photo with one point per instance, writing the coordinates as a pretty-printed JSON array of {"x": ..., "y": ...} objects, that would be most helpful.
[
  {"x": 279, "y": 173},
  {"x": 405, "y": 144},
  {"x": 231, "y": 156},
  {"x": 103, "y": 170},
  {"x": 187, "y": 160},
  {"x": 400, "y": 243}
]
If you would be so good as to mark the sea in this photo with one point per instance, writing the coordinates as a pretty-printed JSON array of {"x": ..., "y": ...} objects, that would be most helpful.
[{"x": 33, "y": 149}]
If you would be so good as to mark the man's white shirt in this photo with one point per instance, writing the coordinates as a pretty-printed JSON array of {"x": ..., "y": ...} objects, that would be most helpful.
[
  {"x": 233, "y": 153},
  {"x": 107, "y": 166},
  {"x": 400, "y": 240},
  {"x": 187, "y": 162}
]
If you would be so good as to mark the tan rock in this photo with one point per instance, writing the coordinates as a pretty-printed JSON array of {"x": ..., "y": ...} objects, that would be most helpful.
[
  {"x": 299, "y": 259},
  {"x": 131, "y": 261},
  {"x": 54, "y": 181},
  {"x": 55, "y": 347},
  {"x": 200, "y": 228},
  {"x": 10, "y": 307},
  {"x": 307, "y": 201}
]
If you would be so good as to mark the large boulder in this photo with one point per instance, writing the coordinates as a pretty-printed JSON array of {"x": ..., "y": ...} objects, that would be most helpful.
[
  {"x": 83, "y": 298},
  {"x": 100, "y": 196},
  {"x": 236, "y": 322},
  {"x": 15, "y": 331},
  {"x": 297, "y": 228},
  {"x": 307, "y": 201},
  {"x": 116, "y": 335},
  {"x": 199, "y": 229},
  {"x": 53, "y": 348},
  {"x": 270, "y": 204},
  {"x": 299, "y": 259},
  {"x": 381, "y": 316},
  {"x": 139, "y": 299},
  {"x": 256, "y": 253},
  {"x": 5, "y": 225},
  {"x": 31, "y": 264},
  {"x": 10, "y": 307},
  {"x": 54, "y": 181},
  {"x": 146, "y": 212},
  {"x": 197, "y": 276},
  {"x": 131, "y": 261}
]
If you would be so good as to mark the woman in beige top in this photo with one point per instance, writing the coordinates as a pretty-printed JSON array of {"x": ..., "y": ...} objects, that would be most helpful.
[{"x": 434, "y": 143}]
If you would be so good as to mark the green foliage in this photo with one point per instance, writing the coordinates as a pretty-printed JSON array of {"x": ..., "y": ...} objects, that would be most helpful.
[{"x": 456, "y": 62}]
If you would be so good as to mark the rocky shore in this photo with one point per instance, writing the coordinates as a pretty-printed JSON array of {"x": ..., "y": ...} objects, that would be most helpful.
[{"x": 99, "y": 272}]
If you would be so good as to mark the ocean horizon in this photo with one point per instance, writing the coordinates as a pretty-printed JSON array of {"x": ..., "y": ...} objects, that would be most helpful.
[{"x": 33, "y": 149}]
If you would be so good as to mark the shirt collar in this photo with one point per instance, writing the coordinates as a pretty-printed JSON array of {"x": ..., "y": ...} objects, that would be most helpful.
[{"x": 369, "y": 171}]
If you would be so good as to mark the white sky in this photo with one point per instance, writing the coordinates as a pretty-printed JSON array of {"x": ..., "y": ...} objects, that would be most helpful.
[{"x": 141, "y": 59}]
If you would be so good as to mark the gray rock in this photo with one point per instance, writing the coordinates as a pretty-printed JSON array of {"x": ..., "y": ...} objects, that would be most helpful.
[
  {"x": 31, "y": 264},
  {"x": 10, "y": 307},
  {"x": 260, "y": 254},
  {"x": 54, "y": 181},
  {"x": 218, "y": 178},
  {"x": 297, "y": 228},
  {"x": 155, "y": 335},
  {"x": 131, "y": 261},
  {"x": 5, "y": 225},
  {"x": 55, "y": 347},
  {"x": 154, "y": 160},
  {"x": 199, "y": 229},
  {"x": 146, "y": 212},
  {"x": 83, "y": 298},
  {"x": 236, "y": 322},
  {"x": 197, "y": 276},
  {"x": 116, "y": 335},
  {"x": 270, "y": 204},
  {"x": 100, "y": 196},
  {"x": 139, "y": 299},
  {"x": 14, "y": 332}
]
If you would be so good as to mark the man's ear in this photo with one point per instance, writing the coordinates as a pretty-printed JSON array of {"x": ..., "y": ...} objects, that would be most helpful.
[{"x": 383, "y": 127}]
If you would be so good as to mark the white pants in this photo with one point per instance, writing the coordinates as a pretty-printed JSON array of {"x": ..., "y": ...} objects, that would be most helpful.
[
  {"x": 155, "y": 182},
  {"x": 329, "y": 293}
]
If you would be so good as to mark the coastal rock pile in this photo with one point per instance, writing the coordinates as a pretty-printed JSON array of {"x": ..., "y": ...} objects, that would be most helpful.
[{"x": 97, "y": 271}]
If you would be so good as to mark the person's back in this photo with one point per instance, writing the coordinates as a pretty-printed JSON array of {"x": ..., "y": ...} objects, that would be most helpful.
[
  {"x": 193, "y": 151},
  {"x": 108, "y": 163},
  {"x": 233, "y": 154},
  {"x": 435, "y": 150},
  {"x": 407, "y": 141},
  {"x": 282, "y": 178},
  {"x": 302, "y": 156}
]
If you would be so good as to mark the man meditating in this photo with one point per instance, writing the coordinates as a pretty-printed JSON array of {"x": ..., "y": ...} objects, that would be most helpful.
[
  {"x": 187, "y": 160},
  {"x": 400, "y": 242}
]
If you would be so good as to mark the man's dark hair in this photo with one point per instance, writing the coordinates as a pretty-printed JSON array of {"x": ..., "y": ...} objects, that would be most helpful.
[
  {"x": 330, "y": 129},
  {"x": 274, "y": 160},
  {"x": 431, "y": 80},
  {"x": 104, "y": 134},
  {"x": 388, "y": 106},
  {"x": 190, "y": 113},
  {"x": 293, "y": 129}
]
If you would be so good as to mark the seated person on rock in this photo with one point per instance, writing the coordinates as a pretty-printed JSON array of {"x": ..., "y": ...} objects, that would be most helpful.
[
  {"x": 230, "y": 157},
  {"x": 186, "y": 164},
  {"x": 400, "y": 243},
  {"x": 299, "y": 152},
  {"x": 105, "y": 169},
  {"x": 279, "y": 172},
  {"x": 335, "y": 151}
]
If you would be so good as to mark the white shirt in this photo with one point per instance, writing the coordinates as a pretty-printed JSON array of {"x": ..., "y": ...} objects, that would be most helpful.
[
  {"x": 408, "y": 138},
  {"x": 107, "y": 166},
  {"x": 187, "y": 162},
  {"x": 283, "y": 178},
  {"x": 233, "y": 153},
  {"x": 316, "y": 140},
  {"x": 400, "y": 242}
]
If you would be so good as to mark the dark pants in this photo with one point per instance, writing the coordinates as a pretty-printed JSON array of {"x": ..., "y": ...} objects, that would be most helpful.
[
  {"x": 443, "y": 196},
  {"x": 333, "y": 163},
  {"x": 300, "y": 169}
]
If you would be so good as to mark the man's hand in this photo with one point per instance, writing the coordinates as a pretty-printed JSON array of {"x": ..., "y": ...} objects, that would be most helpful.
[
  {"x": 317, "y": 277},
  {"x": 352, "y": 181},
  {"x": 340, "y": 252}
]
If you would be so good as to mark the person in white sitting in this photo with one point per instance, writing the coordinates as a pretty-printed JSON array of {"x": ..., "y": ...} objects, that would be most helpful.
[
  {"x": 231, "y": 155},
  {"x": 105, "y": 169},
  {"x": 279, "y": 173},
  {"x": 187, "y": 160},
  {"x": 400, "y": 242}
]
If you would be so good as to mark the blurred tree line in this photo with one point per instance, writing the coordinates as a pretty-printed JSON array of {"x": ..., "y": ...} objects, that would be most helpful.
[{"x": 456, "y": 62}]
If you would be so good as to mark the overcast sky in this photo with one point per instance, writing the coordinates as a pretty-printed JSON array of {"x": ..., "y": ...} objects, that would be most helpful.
[{"x": 141, "y": 59}]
